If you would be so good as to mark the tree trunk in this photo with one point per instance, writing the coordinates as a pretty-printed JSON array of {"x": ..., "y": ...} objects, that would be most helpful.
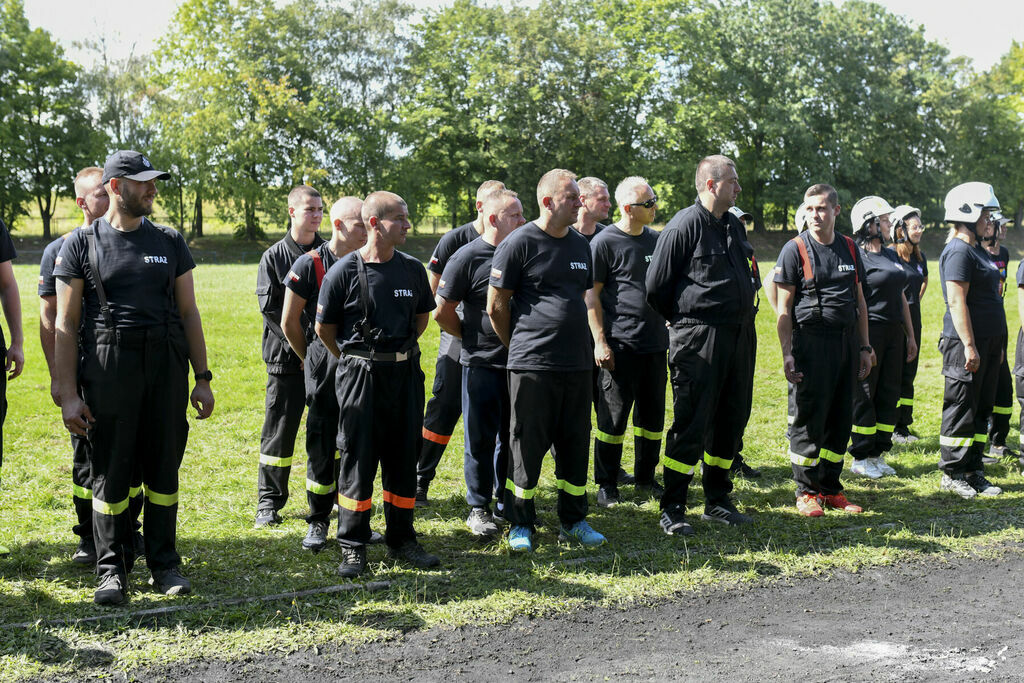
[
  {"x": 197, "y": 215},
  {"x": 45, "y": 214},
  {"x": 1019, "y": 215},
  {"x": 250, "y": 218}
]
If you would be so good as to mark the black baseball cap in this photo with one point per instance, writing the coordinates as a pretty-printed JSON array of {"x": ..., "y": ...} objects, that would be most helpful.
[{"x": 126, "y": 163}]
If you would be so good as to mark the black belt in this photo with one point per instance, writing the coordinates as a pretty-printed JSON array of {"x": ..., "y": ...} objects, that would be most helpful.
[{"x": 379, "y": 357}]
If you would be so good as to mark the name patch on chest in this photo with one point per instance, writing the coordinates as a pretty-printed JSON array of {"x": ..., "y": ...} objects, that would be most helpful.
[
  {"x": 577, "y": 265},
  {"x": 403, "y": 293},
  {"x": 846, "y": 268},
  {"x": 154, "y": 259}
]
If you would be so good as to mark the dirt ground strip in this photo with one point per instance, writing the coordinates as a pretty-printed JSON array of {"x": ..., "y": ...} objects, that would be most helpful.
[{"x": 935, "y": 620}]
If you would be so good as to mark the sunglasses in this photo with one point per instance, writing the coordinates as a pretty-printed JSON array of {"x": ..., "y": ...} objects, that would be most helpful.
[{"x": 649, "y": 204}]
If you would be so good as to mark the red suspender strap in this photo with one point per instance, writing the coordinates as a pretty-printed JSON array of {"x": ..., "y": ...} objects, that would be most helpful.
[
  {"x": 853, "y": 254},
  {"x": 318, "y": 265},
  {"x": 805, "y": 259}
]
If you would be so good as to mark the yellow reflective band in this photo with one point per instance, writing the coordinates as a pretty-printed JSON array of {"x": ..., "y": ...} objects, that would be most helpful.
[
  {"x": 906, "y": 402},
  {"x": 649, "y": 435},
  {"x": 680, "y": 467},
  {"x": 522, "y": 494},
  {"x": 571, "y": 489},
  {"x": 314, "y": 487},
  {"x": 274, "y": 462},
  {"x": 105, "y": 508},
  {"x": 866, "y": 431},
  {"x": 831, "y": 456},
  {"x": 955, "y": 441},
  {"x": 165, "y": 499},
  {"x": 717, "y": 462},
  {"x": 81, "y": 492},
  {"x": 790, "y": 419},
  {"x": 981, "y": 438},
  {"x": 801, "y": 460},
  {"x": 1002, "y": 410},
  {"x": 885, "y": 428},
  {"x": 613, "y": 439},
  {"x": 134, "y": 491},
  {"x": 337, "y": 455}
]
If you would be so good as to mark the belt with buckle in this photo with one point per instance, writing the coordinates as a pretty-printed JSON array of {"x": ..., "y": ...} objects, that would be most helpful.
[{"x": 386, "y": 357}]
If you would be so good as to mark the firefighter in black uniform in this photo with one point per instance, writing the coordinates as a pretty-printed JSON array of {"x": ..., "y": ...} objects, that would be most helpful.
[
  {"x": 377, "y": 302},
  {"x": 486, "y": 411},
  {"x": 700, "y": 281},
  {"x": 535, "y": 302},
  {"x": 13, "y": 355},
  {"x": 907, "y": 231},
  {"x": 91, "y": 197},
  {"x": 140, "y": 327},
  {"x": 285, "y": 385},
  {"x": 630, "y": 340},
  {"x": 972, "y": 341},
  {"x": 302, "y": 288},
  {"x": 823, "y": 331},
  {"x": 1018, "y": 360},
  {"x": 999, "y": 424},
  {"x": 445, "y": 404}
]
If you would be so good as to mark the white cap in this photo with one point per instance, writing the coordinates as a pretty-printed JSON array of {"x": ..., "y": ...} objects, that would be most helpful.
[{"x": 740, "y": 213}]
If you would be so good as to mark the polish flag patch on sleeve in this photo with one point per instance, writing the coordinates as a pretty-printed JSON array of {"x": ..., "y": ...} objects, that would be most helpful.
[
  {"x": 292, "y": 276},
  {"x": 319, "y": 308},
  {"x": 59, "y": 259},
  {"x": 433, "y": 259},
  {"x": 442, "y": 283},
  {"x": 778, "y": 269},
  {"x": 495, "y": 273}
]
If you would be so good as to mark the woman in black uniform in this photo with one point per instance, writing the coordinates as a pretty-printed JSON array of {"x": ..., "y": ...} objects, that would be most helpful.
[
  {"x": 892, "y": 337},
  {"x": 999, "y": 424},
  {"x": 907, "y": 229},
  {"x": 973, "y": 336}
]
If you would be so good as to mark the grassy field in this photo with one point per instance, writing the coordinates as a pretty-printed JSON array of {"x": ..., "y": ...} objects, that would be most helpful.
[{"x": 44, "y": 598}]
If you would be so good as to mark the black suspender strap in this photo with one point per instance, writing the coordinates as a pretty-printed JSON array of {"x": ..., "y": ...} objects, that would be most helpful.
[{"x": 94, "y": 268}]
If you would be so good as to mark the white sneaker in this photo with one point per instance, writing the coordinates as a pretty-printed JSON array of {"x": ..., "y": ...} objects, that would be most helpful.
[
  {"x": 866, "y": 468},
  {"x": 883, "y": 467}
]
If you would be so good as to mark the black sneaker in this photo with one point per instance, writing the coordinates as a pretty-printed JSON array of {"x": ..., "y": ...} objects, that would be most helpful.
[
  {"x": 497, "y": 516},
  {"x": 266, "y": 517},
  {"x": 724, "y": 512},
  {"x": 376, "y": 538},
  {"x": 413, "y": 553},
  {"x": 607, "y": 496},
  {"x": 139, "y": 543},
  {"x": 316, "y": 537},
  {"x": 651, "y": 489},
  {"x": 625, "y": 478},
  {"x": 481, "y": 523},
  {"x": 673, "y": 522},
  {"x": 982, "y": 485},
  {"x": 353, "y": 560},
  {"x": 421, "y": 496},
  {"x": 170, "y": 582},
  {"x": 112, "y": 590},
  {"x": 85, "y": 553},
  {"x": 742, "y": 469}
]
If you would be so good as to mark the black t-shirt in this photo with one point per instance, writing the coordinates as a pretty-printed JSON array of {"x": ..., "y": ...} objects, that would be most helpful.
[
  {"x": 47, "y": 282},
  {"x": 620, "y": 264},
  {"x": 138, "y": 270},
  {"x": 960, "y": 262},
  {"x": 917, "y": 271},
  {"x": 1002, "y": 260},
  {"x": 451, "y": 242},
  {"x": 398, "y": 291},
  {"x": 598, "y": 228},
  {"x": 7, "y": 250},
  {"x": 549, "y": 277},
  {"x": 466, "y": 279},
  {"x": 884, "y": 280},
  {"x": 302, "y": 278},
  {"x": 836, "y": 272}
]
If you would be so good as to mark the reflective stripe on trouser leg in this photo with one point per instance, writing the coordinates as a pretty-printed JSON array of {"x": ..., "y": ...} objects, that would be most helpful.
[
  {"x": 890, "y": 344},
  {"x": 285, "y": 401},
  {"x": 443, "y": 409},
  {"x": 999, "y": 427},
  {"x": 966, "y": 403},
  {"x": 322, "y": 462}
]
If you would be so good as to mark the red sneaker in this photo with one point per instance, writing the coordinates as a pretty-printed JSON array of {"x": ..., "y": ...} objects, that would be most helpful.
[
  {"x": 808, "y": 506},
  {"x": 839, "y": 502}
]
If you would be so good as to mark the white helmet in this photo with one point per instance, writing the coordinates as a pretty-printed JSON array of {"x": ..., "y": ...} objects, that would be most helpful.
[
  {"x": 902, "y": 213},
  {"x": 801, "y": 217},
  {"x": 999, "y": 219},
  {"x": 965, "y": 202},
  {"x": 868, "y": 208},
  {"x": 741, "y": 214}
]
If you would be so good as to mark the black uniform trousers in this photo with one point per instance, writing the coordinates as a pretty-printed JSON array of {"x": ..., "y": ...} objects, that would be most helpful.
[
  {"x": 876, "y": 396},
  {"x": 322, "y": 457},
  {"x": 442, "y": 412},
  {"x": 81, "y": 487},
  {"x": 135, "y": 381},
  {"x": 967, "y": 403},
  {"x": 905, "y": 417},
  {"x": 381, "y": 415},
  {"x": 3, "y": 395},
  {"x": 999, "y": 425},
  {"x": 486, "y": 416},
  {"x": 1018, "y": 372},
  {"x": 709, "y": 365},
  {"x": 286, "y": 398},
  {"x": 637, "y": 383},
  {"x": 550, "y": 410},
  {"x": 823, "y": 402},
  {"x": 748, "y": 394}
]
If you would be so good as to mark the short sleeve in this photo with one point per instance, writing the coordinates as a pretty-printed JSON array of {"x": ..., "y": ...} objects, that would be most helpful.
[
  {"x": 788, "y": 270},
  {"x": 507, "y": 266},
  {"x": 858, "y": 262},
  {"x": 184, "y": 259},
  {"x": 71, "y": 260},
  {"x": 453, "y": 280},
  {"x": 599, "y": 254},
  {"x": 301, "y": 277},
  {"x": 7, "y": 250},
  {"x": 47, "y": 282},
  {"x": 331, "y": 303},
  {"x": 959, "y": 266},
  {"x": 425, "y": 301}
]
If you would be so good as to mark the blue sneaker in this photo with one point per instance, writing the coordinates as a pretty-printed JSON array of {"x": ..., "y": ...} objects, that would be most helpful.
[
  {"x": 581, "y": 531},
  {"x": 520, "y": 539}
]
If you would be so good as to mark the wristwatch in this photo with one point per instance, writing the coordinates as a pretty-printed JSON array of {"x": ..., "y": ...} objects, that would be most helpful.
[
  {"x": 207, "y": 375},
  {"x": 866, "y": 348}
]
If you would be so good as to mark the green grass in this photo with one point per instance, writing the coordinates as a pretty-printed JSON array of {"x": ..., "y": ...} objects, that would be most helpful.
[{"x": 478, "y": 583}]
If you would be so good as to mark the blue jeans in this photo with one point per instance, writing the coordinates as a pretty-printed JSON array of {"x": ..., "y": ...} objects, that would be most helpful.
[{"x": 486, "y": 414}]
